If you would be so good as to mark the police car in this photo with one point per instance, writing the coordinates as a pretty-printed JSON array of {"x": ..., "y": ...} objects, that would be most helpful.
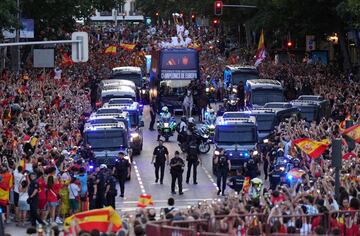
[
  {"x": 312, "y": 108},
  {"x": 106, "y": 140},
  {"x": 261, "y": 91},
  {"x": 237, "y": 136}
]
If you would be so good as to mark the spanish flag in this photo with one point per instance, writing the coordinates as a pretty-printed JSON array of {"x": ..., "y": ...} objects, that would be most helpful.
[
  {"x": 66, "y": 60},
  {"x": 99, "y": 219},
  {"x": 128, "y": 46},
  {"x": 246, "y": 185},
  {"x": 110, "y": 50},
  {"x": 145, "y": 200},
  {"x": 260, "y": 53},
  {"x": 5, "y": 186},
  {"x": 342, "y": 125},
  {"x": 353, "y": 132},
  {"x": 311, "y": 147}
]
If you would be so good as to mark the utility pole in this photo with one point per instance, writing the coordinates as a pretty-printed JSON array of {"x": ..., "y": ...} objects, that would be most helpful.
[{"x": 17, "y": 38}]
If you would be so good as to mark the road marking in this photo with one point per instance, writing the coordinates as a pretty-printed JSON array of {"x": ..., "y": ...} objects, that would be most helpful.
[
  {"x": 209, "y": 176},
  {"x": 176, "y": 200},
  {"x": 139, "y": 178}
]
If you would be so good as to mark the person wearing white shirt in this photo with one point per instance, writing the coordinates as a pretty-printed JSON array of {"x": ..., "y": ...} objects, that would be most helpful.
[
  {"x": 73, "y": 195},
  {"x": 57, "y": 72},
  {"x": 18, "y": 177}
]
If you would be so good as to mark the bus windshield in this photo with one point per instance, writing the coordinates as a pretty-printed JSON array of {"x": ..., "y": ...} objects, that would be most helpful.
[
  {"x": 262, "y": 96},
  {"x": 173, "y": 88},
  {"x": 265, "y": 122}
]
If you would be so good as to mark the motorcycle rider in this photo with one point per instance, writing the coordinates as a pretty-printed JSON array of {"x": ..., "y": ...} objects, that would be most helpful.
[
  {"x": 164, "y": 115},
  {"x": 182, "y": 130},
  {"x": 210, "y": 117}
]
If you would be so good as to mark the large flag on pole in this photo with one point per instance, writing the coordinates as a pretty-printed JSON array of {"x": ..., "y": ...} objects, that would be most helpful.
[
  {"x": 260, "y": 53},
  {"x": 312, "y": 148}
]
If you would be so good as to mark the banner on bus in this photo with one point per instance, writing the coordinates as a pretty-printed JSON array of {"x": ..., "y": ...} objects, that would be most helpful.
[{"x": 179, "y": 74}]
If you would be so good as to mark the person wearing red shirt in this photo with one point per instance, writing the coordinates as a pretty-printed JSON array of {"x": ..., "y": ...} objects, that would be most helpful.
[
  {"x": 53, "y": 193},
  {"x": 42, "y": 195},
  {"x": 349, "y": 228}
]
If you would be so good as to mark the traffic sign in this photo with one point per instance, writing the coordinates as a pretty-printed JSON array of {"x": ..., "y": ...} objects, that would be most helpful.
[{"x": 80, "y": 50}]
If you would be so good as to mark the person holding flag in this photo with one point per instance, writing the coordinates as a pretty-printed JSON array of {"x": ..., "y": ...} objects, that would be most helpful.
[{"x": 261, "y": 52}]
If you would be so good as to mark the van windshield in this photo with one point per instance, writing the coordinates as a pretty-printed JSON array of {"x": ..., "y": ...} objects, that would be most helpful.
[
  {"x": 235, "y": 134},
  {"x": 262, "y": 96}
]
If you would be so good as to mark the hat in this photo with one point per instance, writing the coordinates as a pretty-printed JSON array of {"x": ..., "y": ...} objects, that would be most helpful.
[{"x": 103, "y": 166}]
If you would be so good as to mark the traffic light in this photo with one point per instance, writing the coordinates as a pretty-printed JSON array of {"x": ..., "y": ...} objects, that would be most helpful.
[
  {"x": 218, "y": 8},
  {"x": 289, "y": 44},
  {"x": 216, "y": 22}
]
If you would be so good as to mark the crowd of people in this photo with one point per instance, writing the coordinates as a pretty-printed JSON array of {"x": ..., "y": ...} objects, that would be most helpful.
[{"x": 44, "y": 169}]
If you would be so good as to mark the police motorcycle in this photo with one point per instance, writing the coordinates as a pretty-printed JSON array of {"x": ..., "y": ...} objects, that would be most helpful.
[
  {"x": 201, "y": 137},
  {"x": 166, "y": 124},
  {"x": 210, "y": 122},
  {"x": 210, "y": 88}
]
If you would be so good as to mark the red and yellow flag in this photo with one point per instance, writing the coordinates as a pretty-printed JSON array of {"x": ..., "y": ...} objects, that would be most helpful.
[
  {"x": 260, "y": 53},
  {"x": 353, "y": 132},
  {"x": 110, "y": 50},
  {"x": 145, "y": 200},
  {"x": 128, "y": 46},
  {"x": 66, "y": 60},
  {"x": 311, "y": 147},
  {"x": 342, "y": 125},
  {"x": 99, "y": 219}
]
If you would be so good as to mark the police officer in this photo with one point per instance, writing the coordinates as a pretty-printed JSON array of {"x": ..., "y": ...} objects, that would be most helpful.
[
  {"x": 275, "y": 176},
  {"x": 92, "y": 190},
  {"x": 122, "y": 171},
  {"x": 237, "y": 182},
  {"x": 182, "y": 130},
  {"x": 153, "y": 110},
  {"x": 192, "y": 159},
  {"x": 110, "y": 190},
  {"x": 223, "y": 166},
  {"x": 160, "y": 156},
  {"x": 176, "y": 170},
  {"x": 33, "y": 200},
  {"x": 252, "y": 168},
  {"x": 100, "y": 186}
]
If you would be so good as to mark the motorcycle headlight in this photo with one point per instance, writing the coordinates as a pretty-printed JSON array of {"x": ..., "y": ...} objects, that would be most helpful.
[
  {"x": 207, "y": 89},
  {"x": 282, "y": 168},
  {"x": 217, "y": 153},
  {"x": 134, "y": 135},
  {"x": 266, "y": 140},
  {"x": 234, "y": 90},
  {"x": 143, "y": 91},
  {"x": 211, "y": 126},
  {"x": 255, "y": 153},
  {"x": 166, "y": 125}
]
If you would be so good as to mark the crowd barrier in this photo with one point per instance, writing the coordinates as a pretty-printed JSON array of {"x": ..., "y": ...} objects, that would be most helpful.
[{"x": 260, "y": 224}]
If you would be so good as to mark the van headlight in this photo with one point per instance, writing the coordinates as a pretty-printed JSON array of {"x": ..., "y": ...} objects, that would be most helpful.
[{"x": 255, "y": 153}]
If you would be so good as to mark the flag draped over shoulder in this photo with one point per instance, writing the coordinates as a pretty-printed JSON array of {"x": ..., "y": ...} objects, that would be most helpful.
[
  {"x": 99, "y": 219},
  {"x": 110, "y": 50},
  {"x": 261, "y": 52},
  {"x": 128, "y": 46},
  {"x": 145, "y": 200},
  {"x": 353, "y": 132},
  {"x": 311, "y": 147},
  {"x": 66, "y": 60}
]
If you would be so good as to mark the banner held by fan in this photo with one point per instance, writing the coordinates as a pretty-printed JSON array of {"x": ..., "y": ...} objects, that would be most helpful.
[
  {"x": 353, "y": 132},
  {"x": 145, "y": 200},
  {"x": 312, "y": 148}
]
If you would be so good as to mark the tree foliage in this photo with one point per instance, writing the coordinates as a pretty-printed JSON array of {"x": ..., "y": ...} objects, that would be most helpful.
[{"x": 8, "y": 12}]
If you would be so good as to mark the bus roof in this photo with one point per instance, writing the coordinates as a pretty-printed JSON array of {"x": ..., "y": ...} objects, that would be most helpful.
[{"x": 242, "y": 68}]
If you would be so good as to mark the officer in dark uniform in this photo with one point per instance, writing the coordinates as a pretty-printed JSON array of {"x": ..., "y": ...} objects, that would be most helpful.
[
  {"x": 160, "y": 156},
  {"x": 92, "y": 189},
  {"x": 176, "y": 170},
  {"x": 122, "y": 171},
  {"x": 252, "y": 169},
  {"x": 110, "y": 190},
  {"x": 192, "y": 159},
  {"x": 275, "y": 176},
  {"x": 153, "y": 110},
  {"x": 223, "y": 166},
  {"x": 237, "y": 182},
  {"x": 100, "y": 186},
  {"x": 33, "y": 200}
]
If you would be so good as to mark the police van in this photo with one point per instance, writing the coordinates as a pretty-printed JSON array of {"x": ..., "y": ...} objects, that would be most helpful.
[
  {"x": 119, "y": 92},
  {"x": 233, "y": 74},
  {"x": 237, "y": 136},
  {"x": 312, "y": 108},
  {"x": 106, "y": 140},
  {"x": 261, "y": 91},
  {"x": 115, "y": 83},
  {"x": 133, "y": 122}
]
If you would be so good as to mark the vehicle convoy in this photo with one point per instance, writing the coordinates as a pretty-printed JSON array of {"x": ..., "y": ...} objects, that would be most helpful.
[
  {"x": 106, "y": 141},
  {"x": 172, "y": 70},
  {"x": 135, "y": 75},
  {"x": 312, "y": 108},
  {"x": 261, "y": 91},
  {"x": 237, "y": 136}
]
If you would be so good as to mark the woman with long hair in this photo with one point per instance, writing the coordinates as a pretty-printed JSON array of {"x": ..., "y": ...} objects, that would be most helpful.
[{"x": 53, "y": 189}]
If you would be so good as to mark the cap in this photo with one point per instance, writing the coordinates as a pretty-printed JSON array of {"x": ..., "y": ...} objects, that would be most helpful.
[{"x": 103, "y": 166}]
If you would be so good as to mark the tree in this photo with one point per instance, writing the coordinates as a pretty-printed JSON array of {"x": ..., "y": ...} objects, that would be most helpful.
[{"x": 8, "y": 13}]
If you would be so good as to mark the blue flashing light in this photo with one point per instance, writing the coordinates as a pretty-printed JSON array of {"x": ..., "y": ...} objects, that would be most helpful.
[
  {"x": 246, "y": 154},
  {"x": 91, "y": 167},
  {"x": 290, "y": 177},
  {"x": 230, "y": 154}
]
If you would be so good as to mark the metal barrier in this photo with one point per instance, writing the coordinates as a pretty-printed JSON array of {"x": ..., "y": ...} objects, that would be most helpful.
[
  {"x": 166, "y": 230},
  {"x": 197, "y": 225}
]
